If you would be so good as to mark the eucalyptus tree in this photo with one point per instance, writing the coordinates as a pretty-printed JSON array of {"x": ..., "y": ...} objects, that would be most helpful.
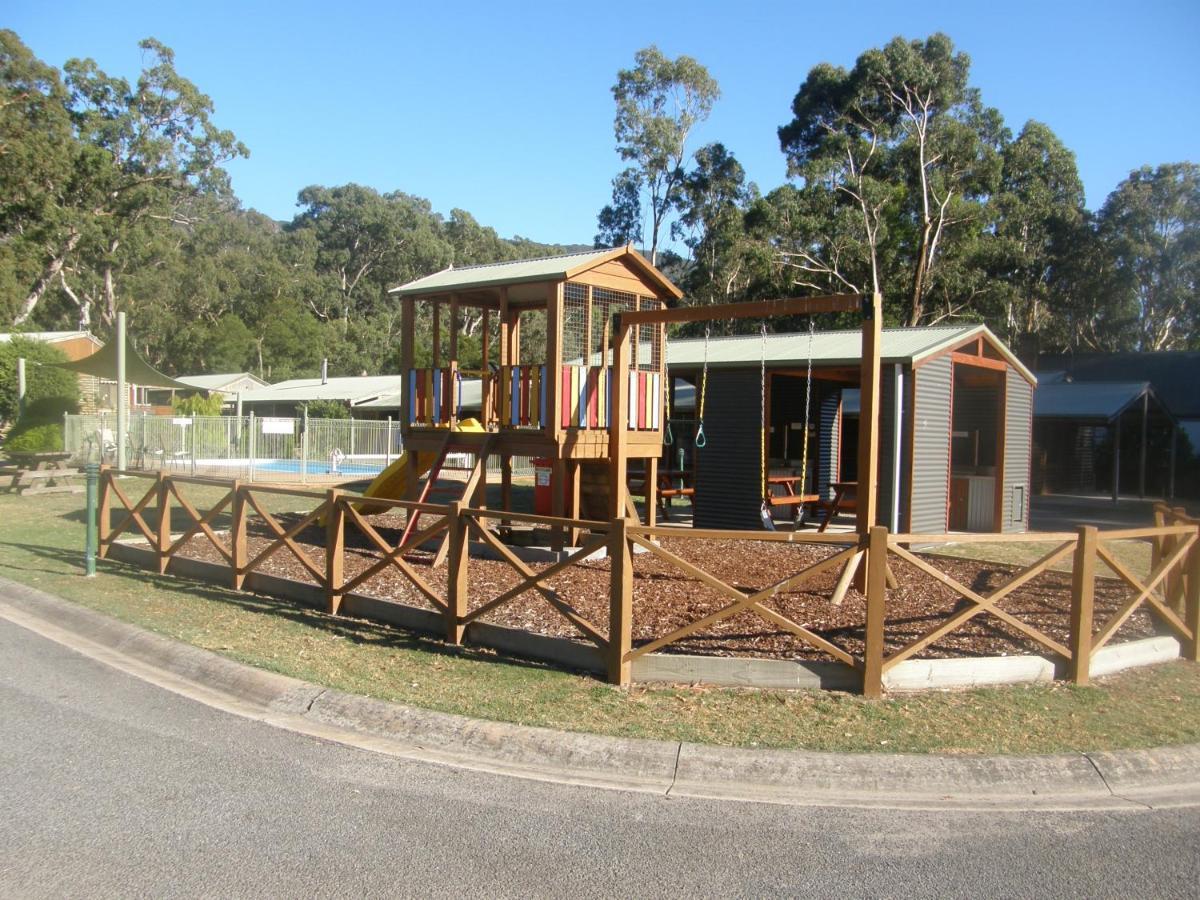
[
  {"x": 1149, "y": 228},
  {"x": 135, "y": 156},
  {"x": 905, "y": 144},
  {"x": 659, "y": 101}
]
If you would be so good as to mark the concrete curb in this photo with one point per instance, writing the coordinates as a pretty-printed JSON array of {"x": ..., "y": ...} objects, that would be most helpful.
[{"x": 1107, "y": 780}]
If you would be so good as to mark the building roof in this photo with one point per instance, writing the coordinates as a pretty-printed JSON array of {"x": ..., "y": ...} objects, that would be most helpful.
[
  {"x": 1097, "y": 401},
  {"x": 831, "y": 348},
  {"x": 470, "y": 396},
  {"x": 218, "y": 382},
  {"x": 546, "y": 268},
  {"x": 353, "y": 390},
  {"x": 1173, "y": 373},
  {"x": 50, "y": 337}
]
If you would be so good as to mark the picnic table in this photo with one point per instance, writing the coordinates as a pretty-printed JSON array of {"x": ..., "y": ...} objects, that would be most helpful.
[
  {"x": 843, "y": 499},
  {"x": 786, "y": 490},
  {"x": 41, "y": 473},
  {"x": 671, "y": 483}
]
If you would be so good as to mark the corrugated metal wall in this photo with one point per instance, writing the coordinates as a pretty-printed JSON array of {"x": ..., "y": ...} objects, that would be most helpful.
[
  {"x": 728, "y": 483},
  {"x": 1017, "y": 450},
  {"x": 931, "y": 445},
  {"x": 887, "y": 446},
  {"x": 829, "y": 437}
]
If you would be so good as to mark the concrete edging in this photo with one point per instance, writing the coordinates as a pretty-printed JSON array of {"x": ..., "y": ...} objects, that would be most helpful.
[{"x": 1104, "y": 780}]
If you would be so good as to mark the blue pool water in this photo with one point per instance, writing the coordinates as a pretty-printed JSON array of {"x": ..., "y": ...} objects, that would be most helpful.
[{"x": 315, "y": 468}]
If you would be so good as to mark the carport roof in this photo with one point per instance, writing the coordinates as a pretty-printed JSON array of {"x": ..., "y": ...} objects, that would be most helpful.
[{"x": 1096, "y": 401}]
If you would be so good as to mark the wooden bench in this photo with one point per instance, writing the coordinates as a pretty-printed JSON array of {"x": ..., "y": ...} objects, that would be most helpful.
[{"x": 843, "y": 501}]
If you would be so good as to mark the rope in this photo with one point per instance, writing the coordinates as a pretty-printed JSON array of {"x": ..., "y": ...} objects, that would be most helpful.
[
  {"x": 807, "y": 405},
  {"x": 668, "y": 435},
  {"x": 701, "y": 440},
  {"x": 762, "y": 413}
]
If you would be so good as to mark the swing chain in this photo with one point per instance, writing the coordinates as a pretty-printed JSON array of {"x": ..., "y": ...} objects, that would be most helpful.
[
  {"x": 762, "y": 413},
  {"x": 701, "y": 441},
  {"x": 807, "y": 406}
]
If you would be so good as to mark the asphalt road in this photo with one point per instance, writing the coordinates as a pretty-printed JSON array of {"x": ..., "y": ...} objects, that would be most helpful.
[{"x": 113, "y": 787}]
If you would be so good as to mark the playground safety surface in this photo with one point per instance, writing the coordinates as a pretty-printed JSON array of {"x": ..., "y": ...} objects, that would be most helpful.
[{"x": 665, "y": 599}]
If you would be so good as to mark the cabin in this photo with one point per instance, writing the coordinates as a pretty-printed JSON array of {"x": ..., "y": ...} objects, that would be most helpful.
[
  {"x": 546, "y": 386},
  {"x": 955, "y": 409}
]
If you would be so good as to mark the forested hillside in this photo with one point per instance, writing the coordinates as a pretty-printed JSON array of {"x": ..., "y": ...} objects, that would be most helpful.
[{"x": 113, "y": 196}]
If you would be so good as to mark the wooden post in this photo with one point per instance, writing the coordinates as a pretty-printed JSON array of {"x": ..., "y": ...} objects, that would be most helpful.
[
  {"x": 876, "y": 566},
  {"x": 1142, "y": 451},
  {"x": 451, "y": 391},
  {"x": 453, "y": 325},
  {"x": 554, "y": 326},
  {"x": 335, "y": 549},
  {"x": 506, "y": 482},
  {"x": 163, "y": 489},
  {"x": 485, "y": 373},
  {"x": 558, "y": 485},
  {"x": 436, "y": 310},
  {"x": 239, "y": 545},
  {"x": 1191, "y": 604},
  {"x": 620, "y": 610},
  {"x": 1116, "y": 474},
  {"x": 407, "y": 327},
  {"x": 1175, "y": 584},
  {"x": 868, "y": 416},
  {"x": 1083, "y": 583},
  {"x": 650, "y": 491},
  {"x": 104, "y": 512},
  {"x": 575, "y": 507},
  {"x": 456, "y": 574},
  {"x": 618, "y": 421}
]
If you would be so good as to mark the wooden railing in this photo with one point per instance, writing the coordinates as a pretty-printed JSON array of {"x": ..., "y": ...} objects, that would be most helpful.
[
  {"x": 433, "y": 395},
  {"x": 1170, "y": 592}
]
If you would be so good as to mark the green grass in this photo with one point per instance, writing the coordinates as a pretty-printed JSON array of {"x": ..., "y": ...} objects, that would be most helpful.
[{"x": 40, "y": 545}]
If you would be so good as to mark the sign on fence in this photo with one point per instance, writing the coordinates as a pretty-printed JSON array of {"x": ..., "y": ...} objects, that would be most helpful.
[{"x": 278, "y": 426}]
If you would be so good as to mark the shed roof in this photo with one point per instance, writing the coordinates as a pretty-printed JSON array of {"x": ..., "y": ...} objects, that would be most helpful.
[
  {"x": 831, "y": 348},
  {"x": 50, "y": 337},
  {"x": 217, "y": 382},
  {"x": 354, "y": 390},
  {"x": 546, "y": 268},
  {"x": 1097, "y": 401}
]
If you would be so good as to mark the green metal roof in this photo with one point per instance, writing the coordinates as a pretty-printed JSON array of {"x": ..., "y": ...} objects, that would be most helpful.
[
  {"x": 829, "y": 348},
  {"x": 547, "y": 268}
]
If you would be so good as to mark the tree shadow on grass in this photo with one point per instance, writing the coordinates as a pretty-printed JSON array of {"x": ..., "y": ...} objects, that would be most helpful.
[{"x": 359, "y": 631}]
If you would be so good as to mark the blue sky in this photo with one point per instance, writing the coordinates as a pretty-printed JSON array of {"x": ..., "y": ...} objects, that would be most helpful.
[{"x": 505, "y": 110}]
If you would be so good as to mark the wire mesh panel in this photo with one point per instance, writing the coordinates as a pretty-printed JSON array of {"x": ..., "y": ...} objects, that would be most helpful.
[
  {"x": 576, "y": 323},
  {"x": 649, "y": 339},
  {"x": 252, "y": 448}
]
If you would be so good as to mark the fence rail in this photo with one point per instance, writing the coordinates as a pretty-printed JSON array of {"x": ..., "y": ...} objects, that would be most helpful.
[
  {"x": 1170, "y": 593},
  {"x": 249, "y": 448}
]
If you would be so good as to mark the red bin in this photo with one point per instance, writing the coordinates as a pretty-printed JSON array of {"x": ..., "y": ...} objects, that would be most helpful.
[{"x": 543, "y": 487}]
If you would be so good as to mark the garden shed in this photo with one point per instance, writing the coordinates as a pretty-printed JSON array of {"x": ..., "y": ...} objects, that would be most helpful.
[{"x": 954, "y": 426}]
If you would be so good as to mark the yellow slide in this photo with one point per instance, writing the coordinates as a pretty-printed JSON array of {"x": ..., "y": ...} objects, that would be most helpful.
[{"x": 392, "y": 482}]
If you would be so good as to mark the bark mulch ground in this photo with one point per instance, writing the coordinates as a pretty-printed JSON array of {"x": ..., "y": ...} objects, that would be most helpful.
[{"x": 665, "y": 598}]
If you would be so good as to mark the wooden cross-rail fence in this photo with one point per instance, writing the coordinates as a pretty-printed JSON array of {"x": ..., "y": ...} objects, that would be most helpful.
[{"x": 1170, "y": 592}]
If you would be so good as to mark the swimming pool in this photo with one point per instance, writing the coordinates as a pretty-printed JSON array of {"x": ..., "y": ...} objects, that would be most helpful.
[{"x": 292, "y": 466}]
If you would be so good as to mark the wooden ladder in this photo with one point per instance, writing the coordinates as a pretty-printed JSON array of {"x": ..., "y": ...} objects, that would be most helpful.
[{"x": 467, "y": 490}]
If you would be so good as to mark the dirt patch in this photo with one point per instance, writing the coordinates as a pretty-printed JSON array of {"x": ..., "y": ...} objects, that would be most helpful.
[{"x": 666, "y": 599}]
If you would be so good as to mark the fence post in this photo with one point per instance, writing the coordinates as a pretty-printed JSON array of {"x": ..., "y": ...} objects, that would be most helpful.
[
  {"x": 163, "y": 488},
  {"x": 103, "y": 514},
  {"x": 620, "y": 605},
  {"x": 456, "y": 575},
  {"x": 1175, "y": 589},
  {"x": 238, "y": 545},
  {"x": 1191, "y": 602},
  {"x": 876, "y": 591},
  {"x": 251, "y": 441},
  {"x": 335, "y": 549},
  {"x": 1083, "y": 584}
]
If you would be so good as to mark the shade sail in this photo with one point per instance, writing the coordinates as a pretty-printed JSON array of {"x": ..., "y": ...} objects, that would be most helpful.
[{"x": 103, "y": 364}]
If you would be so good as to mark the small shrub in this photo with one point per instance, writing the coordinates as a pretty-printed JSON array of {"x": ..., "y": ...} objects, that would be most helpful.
[
  {"x": 198, "y": 405},
  {"x": 44, "y": 438}
]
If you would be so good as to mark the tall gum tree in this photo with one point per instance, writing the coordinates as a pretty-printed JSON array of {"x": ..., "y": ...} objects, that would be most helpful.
[
  {"x": 905, "y": 142},
  {"x": 659, "y": 101}
]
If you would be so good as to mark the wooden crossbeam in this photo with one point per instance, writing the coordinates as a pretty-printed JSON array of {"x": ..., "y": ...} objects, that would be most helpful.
[
  {"x": 134, "y": 515},
  {"x": 285, "y": 538},
  {"x": 1164, "y": 567},
  {"x": 201, "y": 523},
  {"x": 393, "y": 556},
  {"x": 1025, "y": 629},
  {"x": 533, "y": 582},
  {"x": 960, "y": 618},
  {"x": 743, "y": 601}
]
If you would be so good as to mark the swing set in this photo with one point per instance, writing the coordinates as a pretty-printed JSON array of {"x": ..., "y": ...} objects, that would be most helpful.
[{"x": 868, "y": 307}]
